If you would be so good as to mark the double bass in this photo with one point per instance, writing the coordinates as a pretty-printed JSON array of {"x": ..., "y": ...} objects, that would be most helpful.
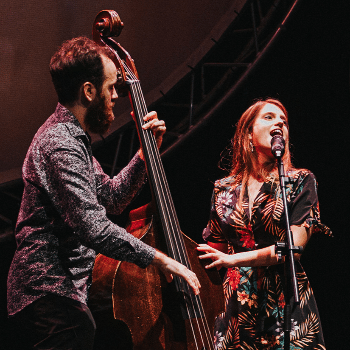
[{"x": 159, "y": 315}]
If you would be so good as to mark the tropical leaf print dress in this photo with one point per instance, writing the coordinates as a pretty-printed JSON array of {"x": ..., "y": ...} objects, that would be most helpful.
[{"x": 254, "y": 296}]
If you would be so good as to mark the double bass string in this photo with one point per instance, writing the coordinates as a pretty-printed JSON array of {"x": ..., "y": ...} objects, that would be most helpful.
[
  {"x": 141, "y": 107},
  {"x": 169, "y": 220},
  {"x": 141, "y": 110}
]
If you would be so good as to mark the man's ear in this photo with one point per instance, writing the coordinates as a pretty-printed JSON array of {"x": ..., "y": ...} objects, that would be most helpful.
[{"x": 88, "y": 91}]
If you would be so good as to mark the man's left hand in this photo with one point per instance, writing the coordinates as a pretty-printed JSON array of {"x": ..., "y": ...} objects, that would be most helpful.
[{"x": 157, "y": 126}]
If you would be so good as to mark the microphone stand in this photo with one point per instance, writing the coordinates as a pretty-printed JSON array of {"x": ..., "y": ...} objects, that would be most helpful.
[{"x": 287, "y": 249}]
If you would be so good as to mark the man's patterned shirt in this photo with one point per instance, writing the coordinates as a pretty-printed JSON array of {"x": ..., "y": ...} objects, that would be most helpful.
[{"x": 62, "y": 222}]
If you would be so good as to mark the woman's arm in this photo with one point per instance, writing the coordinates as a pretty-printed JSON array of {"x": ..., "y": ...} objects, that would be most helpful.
[{"x": 217, "y": 252}]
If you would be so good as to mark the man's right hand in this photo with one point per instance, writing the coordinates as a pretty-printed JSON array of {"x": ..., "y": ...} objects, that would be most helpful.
[{"x": 172, "y": 267}]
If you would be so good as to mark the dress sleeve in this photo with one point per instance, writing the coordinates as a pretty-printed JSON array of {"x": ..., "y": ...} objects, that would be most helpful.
[
  {"x": 304, "y": 206},
  {"x": 213, "y": 231}
]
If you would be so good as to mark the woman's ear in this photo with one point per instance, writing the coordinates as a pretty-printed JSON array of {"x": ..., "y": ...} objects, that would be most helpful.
[{"x": 89, "y": 91}]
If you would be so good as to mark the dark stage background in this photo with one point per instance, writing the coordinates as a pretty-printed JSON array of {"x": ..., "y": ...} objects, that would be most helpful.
[{"x": 308, "y": 69}]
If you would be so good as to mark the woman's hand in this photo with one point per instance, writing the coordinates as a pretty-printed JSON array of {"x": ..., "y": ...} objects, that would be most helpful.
[{"x": 219, "y": 259}]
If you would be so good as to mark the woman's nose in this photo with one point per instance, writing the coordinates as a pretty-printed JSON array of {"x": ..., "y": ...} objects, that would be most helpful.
[{"x": 279, "y": 122}]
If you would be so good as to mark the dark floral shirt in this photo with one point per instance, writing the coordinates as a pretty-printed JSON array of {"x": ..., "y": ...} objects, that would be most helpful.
[{"x": 62, "y": 222}]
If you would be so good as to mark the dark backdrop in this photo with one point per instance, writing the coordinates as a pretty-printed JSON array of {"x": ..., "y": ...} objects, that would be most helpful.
[
  {"x": 163, "y": 37},
  {"x": 309, "y": 71}
]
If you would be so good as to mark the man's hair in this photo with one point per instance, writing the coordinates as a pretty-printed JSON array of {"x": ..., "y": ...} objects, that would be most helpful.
[{"x": 77, "y": 61}]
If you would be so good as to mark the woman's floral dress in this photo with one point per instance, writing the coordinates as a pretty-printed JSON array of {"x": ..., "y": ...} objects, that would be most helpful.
[{"x": 254, "y": 296}]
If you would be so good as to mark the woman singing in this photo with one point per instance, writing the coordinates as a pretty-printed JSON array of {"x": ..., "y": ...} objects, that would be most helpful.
[{"x": 246, "y": 220}]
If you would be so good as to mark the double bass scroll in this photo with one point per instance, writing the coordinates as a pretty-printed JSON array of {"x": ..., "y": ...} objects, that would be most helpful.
[{"x": 159, "y": 315}]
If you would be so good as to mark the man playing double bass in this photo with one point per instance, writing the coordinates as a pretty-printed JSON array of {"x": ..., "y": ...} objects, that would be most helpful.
[{"x": 62, "y": 222}]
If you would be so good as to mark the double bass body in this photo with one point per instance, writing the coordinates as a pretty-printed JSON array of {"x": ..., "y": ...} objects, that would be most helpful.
[
  {"x": 158, "y": 314},
  {"x": 152, "y": 308}
]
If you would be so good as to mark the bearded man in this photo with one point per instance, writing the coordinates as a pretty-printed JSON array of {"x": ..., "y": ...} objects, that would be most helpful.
[{"x": 62, "y": 222}]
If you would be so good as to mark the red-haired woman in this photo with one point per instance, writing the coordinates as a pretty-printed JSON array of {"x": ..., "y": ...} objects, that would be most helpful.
[{"x": 246, "y": 220}]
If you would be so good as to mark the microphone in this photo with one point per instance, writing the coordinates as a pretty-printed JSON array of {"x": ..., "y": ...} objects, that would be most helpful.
[{"x": 277, "y": 146}]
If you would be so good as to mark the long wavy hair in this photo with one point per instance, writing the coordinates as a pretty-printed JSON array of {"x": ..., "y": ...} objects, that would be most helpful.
[{"x": 242, "y": 156}]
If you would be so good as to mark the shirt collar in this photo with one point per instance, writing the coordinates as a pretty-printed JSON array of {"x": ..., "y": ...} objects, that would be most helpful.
[{"x": 64, "y": 115}]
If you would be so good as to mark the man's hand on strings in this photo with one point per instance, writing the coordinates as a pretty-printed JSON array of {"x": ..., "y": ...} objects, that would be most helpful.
[
  {"x": 157, "y": 126},
  {"x": 172, "y": 267}
]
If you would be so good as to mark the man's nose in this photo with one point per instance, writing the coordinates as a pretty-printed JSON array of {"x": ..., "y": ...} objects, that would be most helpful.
[{"x": 114, "y": 94}]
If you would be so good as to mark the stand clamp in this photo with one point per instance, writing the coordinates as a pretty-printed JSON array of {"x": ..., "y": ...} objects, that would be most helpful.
[{"x": 281, "y": 248}]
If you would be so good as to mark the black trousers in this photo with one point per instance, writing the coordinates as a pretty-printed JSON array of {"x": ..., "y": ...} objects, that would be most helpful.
[{"x": 56, "y": 323}]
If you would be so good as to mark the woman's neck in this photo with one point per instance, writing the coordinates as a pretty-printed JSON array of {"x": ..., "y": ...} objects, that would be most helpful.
[{"x": 262, "y": 168}]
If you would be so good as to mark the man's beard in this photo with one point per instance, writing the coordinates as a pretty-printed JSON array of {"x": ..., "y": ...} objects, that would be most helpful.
[{"x": 99, "y": 117}]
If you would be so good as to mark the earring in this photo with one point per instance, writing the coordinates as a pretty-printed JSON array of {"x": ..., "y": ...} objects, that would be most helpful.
[{"x": 251, "y": 146}]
